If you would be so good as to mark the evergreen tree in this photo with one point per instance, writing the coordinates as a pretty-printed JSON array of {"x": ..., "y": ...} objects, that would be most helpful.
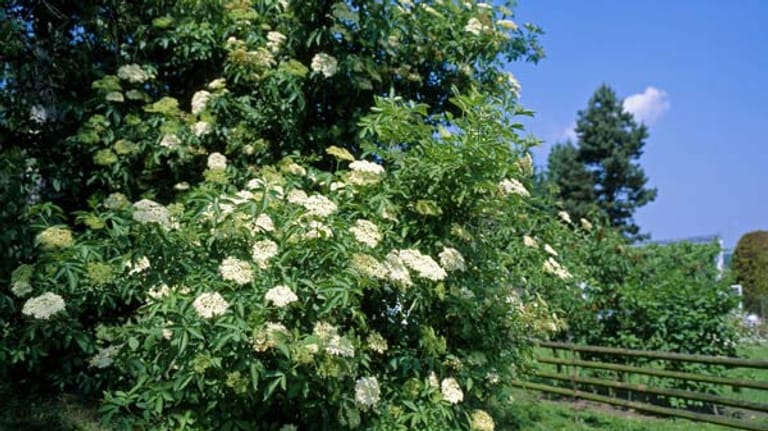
[
  {"x": 573, "y": 181},
  {"x": 610, "y": 143}
]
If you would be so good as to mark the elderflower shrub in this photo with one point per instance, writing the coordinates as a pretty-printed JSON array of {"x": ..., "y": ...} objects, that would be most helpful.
[{"x": 274, "y": 292}]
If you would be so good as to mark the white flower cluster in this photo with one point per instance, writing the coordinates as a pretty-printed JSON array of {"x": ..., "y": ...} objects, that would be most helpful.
[
  {"x": 201, "y": 128},
  {"x": 263, "y": 251},
  {"x": 325, "y": 64},
  {"x": 424, "y": 265},
  {"x": 159, "y": 291},
  {"x": 267, "y": 337},
  {"x": 275, "y": 40},
  {"x": 366, "y": 232},
  {"x": 217, "y": 161},
  {"x": 263, "y": 223},
  {"x": 281, "y": 296},
  {"x": 169, "y": 140},
  {"x": 452, "y": 260},
  {"x": 551, "y": 266},
  {"x": 369, "y": 266},
  {"x": 475, "y": 27},
  {"x": 148, "y": 211},
  {"x": 316, "y": 229},
  {"x": 217, "y": 84},
  {"x": 548, "y": 248},
  {"x": 319, "y": 206},
  {"x": 451, "y": 391},
  {"x": 210, "y": 304},
  {"x": 141, "y": 265},
  {"x": 367, "y": 392},
  {"x": 512, "y": 185},
  {"x": 363, "y": 173},
  {"x": 297, "y": 196},
  {"x": 530, "y": 242},
  {"x": 43, "y": 306},
  {"x": 585, "y": 224},
  {"x": 199, "y": 101},
  {"x": 132, "y": 73},
  {"x": 234, "y": 269},
  {"x": 340, "y": 346},
  {"x": 507, "y": 24},
  {"x": 396, "y": 270},
  {"x": 104, "y": 357},
  {"x": 565, "y": 217}
]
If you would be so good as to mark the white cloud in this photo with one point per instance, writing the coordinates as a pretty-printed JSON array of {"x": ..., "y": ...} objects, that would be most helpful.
[
  {"x": 648, "y": 106},
  {"x": 568, "y": 134}
]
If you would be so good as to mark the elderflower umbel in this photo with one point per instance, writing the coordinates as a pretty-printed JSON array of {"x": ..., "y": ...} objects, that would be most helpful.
[
  {"x": 397, "y": 272},
  {"x": 169, "y": 140},
  {"x": 297, "y": 196},
  {"x": 263, "y": 223},
  {"x": 201, "y": 128},
  {"x": 482, "y": 421},
  {"x": 424, "y": 265},
  {"x": 512, "y": 185},
  {"x": 551, "y": 266},
  {"x": 147, "y": 211},
  {"x": 548, "y": 248},
  {"x": 474, "y": 26},
  {"x": 369, "y": 266},
  {"x": 452, "y": 260},
  {"x": 275, "y": 40},
  {"x": 340, "y": 346},
  {"x": 530, "y": 242},
  {"x": 217, "y": 161},
  {"x": 316, "y": 229},
  {"x": 319, "y": 206},
  {"x": 377, "y": 343},
  {"x": 367, "y": 392},
  {"x": 366, "y": 232},
  {"x": 43, "y": 306},
  {"x": 451, "y": 391},
  {"x": 55, "y": 237},
  {"x": 340, "y": 153},
  {"x": 263, "y": 251},
  {"x": 105, "y": 357},
  {"x": 20, "y": 285},
  {"x": 585, "y": 224},
  {"x": 325, "y": 64},
  {"x": 132, "y": 73},
  {"x": 141, "y": 265},
  {"x": 199, "y": 100},
  {"x": 234, "y": 269},
  {"x": 564, "y": 216},
  {"x": 507, "y": 24},
  {"x": 281, "y": 296},
  {"x": 210, "y": 304}
]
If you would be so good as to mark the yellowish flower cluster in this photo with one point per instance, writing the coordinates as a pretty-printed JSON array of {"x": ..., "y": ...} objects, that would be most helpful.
[
  {"x": 424, "y": 265},
  {"x": 20, "y": 280},
  {"x": 369, "y": 266},
  {"x": 132, "y": 73},
  {"x": 54, "y": 238},
  {"x": 482, "y": 421},
  {"x": 267, "y": 337},
  {"x": 377, "y": 343},
  {"x": 530, "y": 242},
  {"x": 340, "y": 153},
  {"x": 263, "y": 251},
  {"x": 104, "y": 357}
]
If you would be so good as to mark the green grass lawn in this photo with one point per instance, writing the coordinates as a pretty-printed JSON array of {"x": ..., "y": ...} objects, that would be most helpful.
[{"x": 530, "y": 413}]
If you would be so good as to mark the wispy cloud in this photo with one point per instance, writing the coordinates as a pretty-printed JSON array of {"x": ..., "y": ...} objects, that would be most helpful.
[{"x": 648, "y": 106}]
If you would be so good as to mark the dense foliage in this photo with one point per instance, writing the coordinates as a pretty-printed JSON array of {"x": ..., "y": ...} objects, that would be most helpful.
[
  {"x": 750, "y": 260},
  {"x": 299, "y": 76},
  {"x": 603, "y": 172}
]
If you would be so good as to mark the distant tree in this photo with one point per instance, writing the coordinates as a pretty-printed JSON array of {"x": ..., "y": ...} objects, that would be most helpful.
[
  {"x": 750, "y": 262},
  {"x": 573, "y": 181},
  {"x": 610, "y": 142}
]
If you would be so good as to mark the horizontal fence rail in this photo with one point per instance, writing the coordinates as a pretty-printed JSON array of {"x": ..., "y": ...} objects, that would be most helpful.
[
  {"x": 585, "y": 387},
  {"x": 702, "y": 359}
]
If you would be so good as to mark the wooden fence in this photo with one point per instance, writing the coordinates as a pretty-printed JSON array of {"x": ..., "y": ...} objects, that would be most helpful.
[{"x": 569, "y": 380}]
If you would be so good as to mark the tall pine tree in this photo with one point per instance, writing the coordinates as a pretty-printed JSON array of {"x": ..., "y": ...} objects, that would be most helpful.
[{"x": 604, "y": 162}]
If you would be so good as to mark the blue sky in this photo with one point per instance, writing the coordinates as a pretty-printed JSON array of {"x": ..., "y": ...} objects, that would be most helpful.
[{"x": 697, "y": 74}]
